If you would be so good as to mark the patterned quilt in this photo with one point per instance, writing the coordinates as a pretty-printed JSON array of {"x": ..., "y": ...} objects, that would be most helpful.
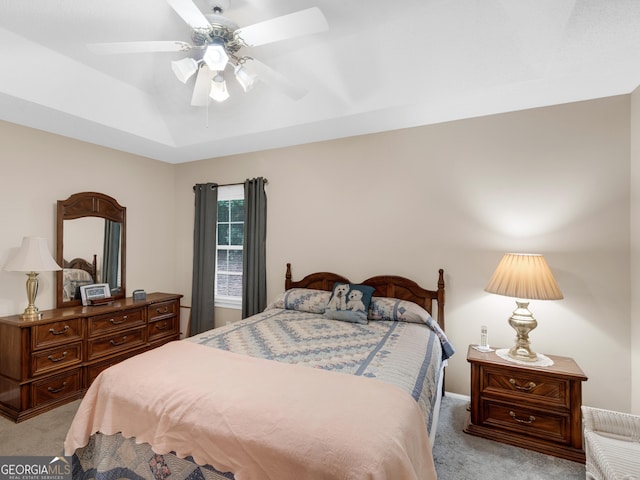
[{"x": 407, "y": 352}]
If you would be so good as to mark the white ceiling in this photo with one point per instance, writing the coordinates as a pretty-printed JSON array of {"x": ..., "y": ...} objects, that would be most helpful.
[{"x": 381, "y": 65}]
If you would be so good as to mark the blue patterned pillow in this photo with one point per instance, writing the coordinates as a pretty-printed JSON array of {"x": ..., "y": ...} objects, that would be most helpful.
[
  {"x": 393, "y": 309},
  {"x": 349, "y": 302},
  {"x": 302, "y": 299}
]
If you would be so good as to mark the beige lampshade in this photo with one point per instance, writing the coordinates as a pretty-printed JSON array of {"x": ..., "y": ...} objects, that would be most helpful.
[
  {"x": 33, "y": 256},
  {"x": 524, "y": 276}
]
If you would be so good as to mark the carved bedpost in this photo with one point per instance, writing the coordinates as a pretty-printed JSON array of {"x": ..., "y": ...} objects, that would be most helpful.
[{"x": 287, "y": 278}]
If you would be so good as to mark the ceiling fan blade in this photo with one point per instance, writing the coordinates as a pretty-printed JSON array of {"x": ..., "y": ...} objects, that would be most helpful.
[
  {"x": 275, "y": 79},
  {"x": 138, "y": 47},
  {"x": 200, "y": 97},
  {"x": 304, "y": 22},
  {"x": 190, "y": 14}
]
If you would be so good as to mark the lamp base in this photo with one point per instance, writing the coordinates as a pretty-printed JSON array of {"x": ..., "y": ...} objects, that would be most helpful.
[
  {"x": 29, "y": 316},
  {"x": 522, "y": 322},
  {"x": 31, "y": 313}
]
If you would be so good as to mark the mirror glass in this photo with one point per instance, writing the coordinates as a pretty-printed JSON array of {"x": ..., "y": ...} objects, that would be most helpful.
[{"x": 91, "y": 246}]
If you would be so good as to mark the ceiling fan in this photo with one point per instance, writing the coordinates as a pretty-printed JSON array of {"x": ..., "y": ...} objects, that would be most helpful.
[{"x": 216, "y": 44}]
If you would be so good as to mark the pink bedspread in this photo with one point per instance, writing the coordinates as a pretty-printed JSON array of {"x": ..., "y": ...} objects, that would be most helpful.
[{"x": 259, "y": 419}]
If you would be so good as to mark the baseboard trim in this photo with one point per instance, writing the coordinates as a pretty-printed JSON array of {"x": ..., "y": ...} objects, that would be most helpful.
[{"x": 459, "y": 396}]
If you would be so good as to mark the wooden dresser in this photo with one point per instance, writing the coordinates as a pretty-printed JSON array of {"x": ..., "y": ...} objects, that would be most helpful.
[
  {"x": 52, "y": 361},
  {"x": 527, "y": 406}
]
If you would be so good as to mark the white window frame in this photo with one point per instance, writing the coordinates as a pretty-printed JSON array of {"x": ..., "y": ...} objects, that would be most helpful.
[{"x": 227, "y": 192}]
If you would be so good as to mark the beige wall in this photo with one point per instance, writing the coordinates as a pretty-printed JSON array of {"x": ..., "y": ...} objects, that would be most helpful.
[
  {"x": 635, "y": 251},
  {"x": 37, "y": 169},
  {"x": 456, "y": 195}
]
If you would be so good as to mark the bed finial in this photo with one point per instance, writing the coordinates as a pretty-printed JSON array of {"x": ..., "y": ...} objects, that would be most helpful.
[{"x": 287, "y": 278}]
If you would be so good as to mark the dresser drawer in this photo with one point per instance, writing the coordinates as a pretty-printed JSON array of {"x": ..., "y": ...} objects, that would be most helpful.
[
  {"x": 530, "y": 387},
  {"x": 526, "y": 421},
  {"x": 56, "y": 333},
  {"x": 162, "y": 328},
  {"x": 99, "y": 325},
  {"x": 162, "y": 310},
  {"x": 54, "y": 388},
  {"x": 56, "y": 358},
  {"x": 116, "y": 342},
  {"x": 93, "y": 370}
]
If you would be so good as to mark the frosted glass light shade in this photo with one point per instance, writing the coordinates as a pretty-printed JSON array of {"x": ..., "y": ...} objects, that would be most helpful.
[
  {"x": 184, "y": 69},
  {"x": 525, "y": 276},
  {"x": 245, "y": 79},
  {"x": 33, "y": 256},
  {"x": 219, "y": 89}
]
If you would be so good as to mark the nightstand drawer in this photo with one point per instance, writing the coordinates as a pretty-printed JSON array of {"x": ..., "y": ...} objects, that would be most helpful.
[
  {"x": 102, "y": 324},
  {"x": 530, "y": 387},
  {"x": 551, "y": 427},
  {"x": 56, "y": 333},
  {"x": 56, "y": 358}
]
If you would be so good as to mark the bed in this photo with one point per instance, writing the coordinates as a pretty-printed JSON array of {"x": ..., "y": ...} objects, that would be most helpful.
[
  {"x": 285, "y": 394},
  {"x": 76, "y": 273}
]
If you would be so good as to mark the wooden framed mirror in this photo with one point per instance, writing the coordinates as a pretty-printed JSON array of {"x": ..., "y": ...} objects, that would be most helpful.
[{"x": 91, "y": 246}]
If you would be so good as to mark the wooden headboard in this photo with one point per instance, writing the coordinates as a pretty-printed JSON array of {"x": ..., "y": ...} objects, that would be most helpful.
[
  {"x": 82, "y": 264},
  {"x": 385, "y": 286}
]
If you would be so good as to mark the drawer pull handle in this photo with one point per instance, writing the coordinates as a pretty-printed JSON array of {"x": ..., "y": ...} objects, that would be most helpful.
[
  {"x": 163, "y": 326},
  {"x": 162, "y": 310},
  {"x": 57, "y": 359},
  {"x": 57, "y": 390},
  {"x": 115, "y": 322},
  {"x": 527, "y": 388},
  {"x": 60, "y": 332},
  {"x": 531, "y": 418},
  {"x": 116, "y": 344}
]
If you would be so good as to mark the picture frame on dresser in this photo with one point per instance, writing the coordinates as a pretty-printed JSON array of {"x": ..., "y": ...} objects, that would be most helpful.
[{"x": 96, "y": 291}]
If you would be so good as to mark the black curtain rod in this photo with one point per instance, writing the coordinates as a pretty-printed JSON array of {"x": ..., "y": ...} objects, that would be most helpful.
[{"x": 266, "y": 182}]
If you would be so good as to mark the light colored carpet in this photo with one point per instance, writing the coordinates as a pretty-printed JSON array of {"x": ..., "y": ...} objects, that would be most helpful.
[
  {"x": 39, "y": 436},
  {"x": 458, "y": 456}
]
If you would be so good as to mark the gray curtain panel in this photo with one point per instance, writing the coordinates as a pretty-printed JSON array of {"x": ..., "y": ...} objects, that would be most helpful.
[
  {"x": 204, "y": 258},
  {"x": 111, "y": 255},
  {"x": 254, "y": 264}
]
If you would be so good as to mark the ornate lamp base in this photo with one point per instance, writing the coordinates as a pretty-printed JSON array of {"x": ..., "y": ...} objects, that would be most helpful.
[
  {"x": 522, "y": 322},
  {"x": 31, "y": 313}
]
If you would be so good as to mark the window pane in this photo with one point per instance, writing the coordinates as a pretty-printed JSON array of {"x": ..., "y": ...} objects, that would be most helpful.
[
  {"x": 237, "y": 234},
  {"x": 229, "y": 285},
  {"x": 237, "y": 210},
  {"x": 223, "y": 211},
  {"x": 235, "y": 261},
  {"x": 221, "y": 262},
  {"x": 223, "y": 234}
]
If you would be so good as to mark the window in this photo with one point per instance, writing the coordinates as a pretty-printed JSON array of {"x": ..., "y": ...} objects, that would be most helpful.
[{"x": 230, "y": 235}]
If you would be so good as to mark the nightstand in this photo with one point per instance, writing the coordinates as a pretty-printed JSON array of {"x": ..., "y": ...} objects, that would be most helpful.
[{"x": 531, "y": 407}]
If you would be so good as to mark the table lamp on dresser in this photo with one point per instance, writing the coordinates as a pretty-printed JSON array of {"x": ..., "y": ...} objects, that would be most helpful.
[
  {"x": 524, "y": 276},
  {"x": 32, "y": 257}
]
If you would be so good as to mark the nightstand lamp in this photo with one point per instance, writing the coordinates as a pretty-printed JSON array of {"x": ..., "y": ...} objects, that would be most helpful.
[
  {"x": 523, "y": 276},
  {"x": 32, "y": 257}
]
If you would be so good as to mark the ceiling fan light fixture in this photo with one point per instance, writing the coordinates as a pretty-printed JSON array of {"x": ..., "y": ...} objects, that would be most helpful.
[
  {"x": 184, "y": 69},
  {"x": 244, "y": 78},
  {"x": 218, "y": 89},
  {"x": 216, "y": 56}
]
